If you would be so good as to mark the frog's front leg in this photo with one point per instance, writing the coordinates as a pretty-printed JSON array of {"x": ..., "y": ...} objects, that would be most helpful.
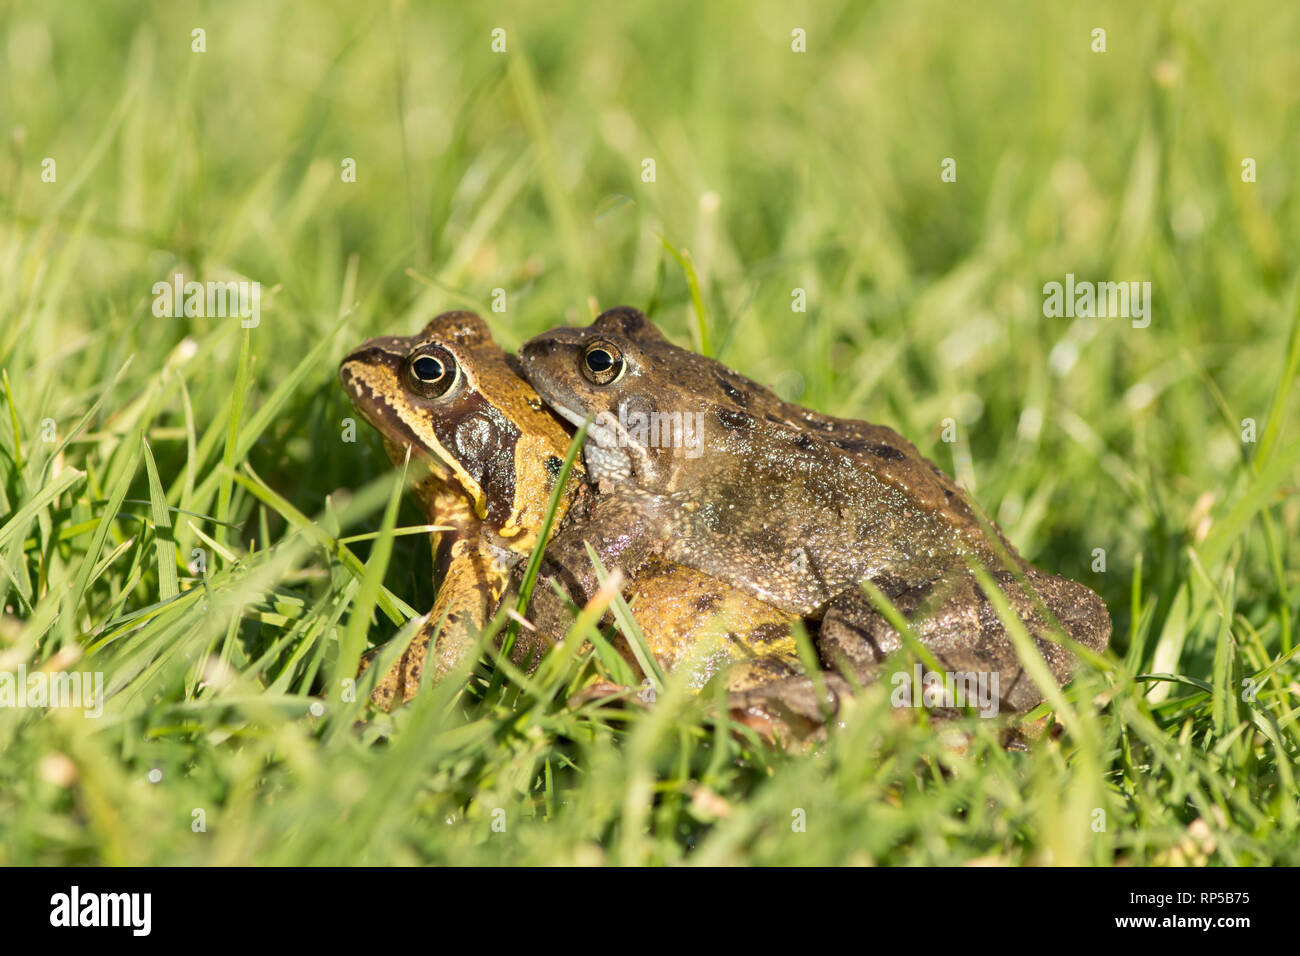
[
  {"x": 617, "y": 530},
  {"x": 467, "y": 598}
]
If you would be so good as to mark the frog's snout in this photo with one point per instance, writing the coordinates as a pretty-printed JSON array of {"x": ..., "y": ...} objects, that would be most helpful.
[
  {"x": 350, "y": 361},
  {"x": 382, "y": 356},
  {"x": 353, "y": 363}
]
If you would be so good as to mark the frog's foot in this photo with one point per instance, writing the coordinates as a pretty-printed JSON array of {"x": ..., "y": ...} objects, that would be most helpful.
[
  {"x": 402, "y": 680},
  {"x": 392, "y": 687},
  {"x": 470, "y": 590},
  {"x": 793, "y": 710},
  {"x": 455, "y": 643}
]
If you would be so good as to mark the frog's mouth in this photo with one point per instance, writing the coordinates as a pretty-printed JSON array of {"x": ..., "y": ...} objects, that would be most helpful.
[{"x": 605, "y": 450}]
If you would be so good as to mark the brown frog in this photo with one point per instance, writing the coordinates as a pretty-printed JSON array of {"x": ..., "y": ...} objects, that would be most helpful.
[
  {"x": 702, "y": 467},
  {"x": 486, "y": 452}
]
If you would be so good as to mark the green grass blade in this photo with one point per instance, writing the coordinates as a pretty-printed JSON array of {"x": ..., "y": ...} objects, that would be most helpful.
[
  {"x": 106, "y": 519},
  {"x": 164, "y": 541}
]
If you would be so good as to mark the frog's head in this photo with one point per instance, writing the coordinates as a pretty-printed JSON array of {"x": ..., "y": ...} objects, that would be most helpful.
[
  {"x": 649, "y": 400},
  {"x": 455, "y": 398}
]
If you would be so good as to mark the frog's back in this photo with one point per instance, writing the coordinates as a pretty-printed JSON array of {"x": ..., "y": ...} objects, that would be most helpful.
[{"x": 799, "y": 518}]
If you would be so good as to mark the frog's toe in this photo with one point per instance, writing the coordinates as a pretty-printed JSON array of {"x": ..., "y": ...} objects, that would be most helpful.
[
  {"x": 402, "y": 680},
  {"x": 397, "y": 686}
]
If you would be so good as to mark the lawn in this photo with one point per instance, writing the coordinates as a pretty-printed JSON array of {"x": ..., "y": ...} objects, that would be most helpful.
[{"x": 869, "y": 199}]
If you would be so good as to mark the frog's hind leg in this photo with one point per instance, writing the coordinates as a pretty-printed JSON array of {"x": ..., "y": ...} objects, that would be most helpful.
[
  {"x": 952, "y": 617},
  {"x": 957, "y": 623},
  {"x": 853, "y": 639}
]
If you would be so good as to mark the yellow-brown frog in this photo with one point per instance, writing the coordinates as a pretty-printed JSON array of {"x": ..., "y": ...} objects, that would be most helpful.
[{"x": 486, "y": 452}]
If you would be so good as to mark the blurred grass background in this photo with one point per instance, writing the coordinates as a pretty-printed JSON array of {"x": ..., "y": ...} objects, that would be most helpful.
[{"x": 522, "y": 171}]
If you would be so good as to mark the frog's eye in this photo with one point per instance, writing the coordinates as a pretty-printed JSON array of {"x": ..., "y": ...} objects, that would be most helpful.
[
  {"x": 602, "y": 363},
  {"x": 433, "y": 371}
]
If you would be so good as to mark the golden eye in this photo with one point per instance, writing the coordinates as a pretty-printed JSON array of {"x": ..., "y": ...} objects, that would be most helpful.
[
  {"x": 433, "y": 371},
  {"x": 602, "y": 363}
]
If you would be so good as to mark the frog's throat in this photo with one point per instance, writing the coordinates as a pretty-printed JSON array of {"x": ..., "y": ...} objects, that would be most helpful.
[
  {"x": 606, "y": 449},
  {"x": 441, "y": 467}
]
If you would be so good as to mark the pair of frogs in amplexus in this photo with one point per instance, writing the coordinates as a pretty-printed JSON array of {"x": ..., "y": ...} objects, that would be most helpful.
[{"x": 775, "y": 518}]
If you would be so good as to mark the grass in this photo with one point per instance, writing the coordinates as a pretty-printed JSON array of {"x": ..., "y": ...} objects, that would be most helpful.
[{"x": 133, "y": 446}]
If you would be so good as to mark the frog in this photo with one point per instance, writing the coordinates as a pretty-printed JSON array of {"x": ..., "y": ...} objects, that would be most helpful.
[
  {"x": 485, "y": 453},
  {"x": 481, "y": 469},
  {"x": 795, "y": 507}
]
